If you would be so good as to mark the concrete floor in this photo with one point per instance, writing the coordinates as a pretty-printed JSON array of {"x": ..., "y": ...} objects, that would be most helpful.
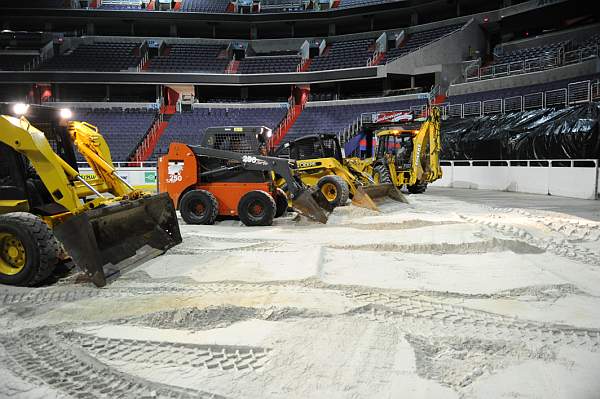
[{"x": 576, "y": 207}]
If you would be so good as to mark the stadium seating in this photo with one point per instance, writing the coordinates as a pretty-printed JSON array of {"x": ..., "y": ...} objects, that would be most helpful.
[
  {"x": 528, "y": 53},
  {"x": 123, "y": 130},
  {"x": 417, "y": 40},
  {"x": 38, "y": 4},
  {"x": 210, "y": 6},
  {"x": 335, "y": 118},
  {"x": 518, "y": 91},
  {"x": 190, "y": 57},
  {"x": 346, "y": 54},
  {"x": 281, "y": 6},
  {"x": 550, "y": 50},
  {"x": 12, "y": 62},
  {"x": 120, "y": 7},
  {"x": 593, "y": 40},
  {"x": 362, "y": 3},
  {"x": 99, "y": 56},
  {"x": 188, "y": 127},
  {"x": 269, "y": 64}
]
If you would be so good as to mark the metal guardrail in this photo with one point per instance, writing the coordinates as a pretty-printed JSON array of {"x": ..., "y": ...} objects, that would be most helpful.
[
  {"x": 556, "y": 97},
  {"x": 472, "y": 109},
  {"x": 513, "y": 104},
  {"x": 560, "y": 58},
  {"x": 575, "y": 93},
  {"x": 595, "y": 91},
  {"x": 492, "y": 106},
  {"x": 579, "y": 92},
  {"x": 533, "y": 163},
  {"x": 533, "y": 101}
]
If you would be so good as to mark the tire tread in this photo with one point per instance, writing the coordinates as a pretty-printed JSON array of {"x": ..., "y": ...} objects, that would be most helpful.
[{"x": 47, "y": 244}]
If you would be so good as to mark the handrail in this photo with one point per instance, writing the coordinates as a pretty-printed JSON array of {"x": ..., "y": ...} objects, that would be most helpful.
[
  {"x": 435, "y": 40},
  {"x": 570, "y": 162},
  {"x": 527, "y": 65},
  {"x": 575, "y": 92}
]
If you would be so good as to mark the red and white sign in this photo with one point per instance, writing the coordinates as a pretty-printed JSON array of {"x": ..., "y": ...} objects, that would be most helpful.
[{"x": 392, "y": 117}]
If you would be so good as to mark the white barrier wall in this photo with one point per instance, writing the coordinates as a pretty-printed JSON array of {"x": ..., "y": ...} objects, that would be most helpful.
[
  {"x": 565, "y": 178},
  {"x": 144, "y": 177}
]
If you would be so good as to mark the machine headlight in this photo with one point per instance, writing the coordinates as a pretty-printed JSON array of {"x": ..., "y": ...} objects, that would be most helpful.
[
  {"x": 65, "y": 113},
  {"x": 20, "y": 109}
]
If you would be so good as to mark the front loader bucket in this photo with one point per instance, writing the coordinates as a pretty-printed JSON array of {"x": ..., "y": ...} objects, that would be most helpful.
[
  {"x": 378, "y": 191},
  {"x": 107, "y": 240},
  {"x": 363, "y": 200},
  {"x": 313, "y": 205}
]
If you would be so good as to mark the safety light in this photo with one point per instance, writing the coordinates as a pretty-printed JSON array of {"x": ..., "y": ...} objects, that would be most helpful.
[
  {"x": 65, "y": 113},
  {"x": 20, "y": 109}
]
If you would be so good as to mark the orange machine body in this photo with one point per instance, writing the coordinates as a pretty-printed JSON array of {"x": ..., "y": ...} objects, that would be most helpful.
[{"x": 178, "y": 173}]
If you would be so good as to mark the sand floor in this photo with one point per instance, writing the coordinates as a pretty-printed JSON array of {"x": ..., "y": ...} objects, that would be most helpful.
[{"x": 441, "y": 298}]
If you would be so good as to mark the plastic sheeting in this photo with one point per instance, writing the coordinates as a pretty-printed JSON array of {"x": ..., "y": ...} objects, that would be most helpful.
[{"x": 570, "y": 133}]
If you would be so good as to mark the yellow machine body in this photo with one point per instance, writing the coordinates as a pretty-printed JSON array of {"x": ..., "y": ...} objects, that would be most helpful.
[
  {"x": 100, "y": 222},
  {"x": 331, "y": 161},
  {"x": 422, "y": 164}
]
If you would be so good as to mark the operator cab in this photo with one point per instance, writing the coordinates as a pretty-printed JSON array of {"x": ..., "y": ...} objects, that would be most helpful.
[
  {"x": 398, "y": 144},
  {"x": 19, "y": 181},
  {"x": 315, "y": 147},
  {"x": 248, "y": 140}
]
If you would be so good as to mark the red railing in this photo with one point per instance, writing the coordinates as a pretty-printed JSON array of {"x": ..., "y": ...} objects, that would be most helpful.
[
  {"x": 294, "y": 111},
  {"x": 146, "y": 147}
]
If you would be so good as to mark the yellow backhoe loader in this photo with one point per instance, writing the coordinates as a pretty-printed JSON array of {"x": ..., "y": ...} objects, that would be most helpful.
[
  {"x": 321, "y": 162},
  {"x": 406, "y": 157},
  {"x": 49, "y": 213}
]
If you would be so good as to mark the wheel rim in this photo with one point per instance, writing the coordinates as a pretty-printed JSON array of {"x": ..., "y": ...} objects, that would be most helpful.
[
  {"x": 198, "y": 209},
  {"x": 329, "y": 190},
  {"x": 256, "y": 209},
  {"x": 12, "y": 254}
]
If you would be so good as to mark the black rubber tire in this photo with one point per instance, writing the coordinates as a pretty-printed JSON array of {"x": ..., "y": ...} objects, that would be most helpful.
[
  {"x": 42, "y": 249},
  {"x": 281, "y": 203},
  {"x": 384, "y": 174},
  {"x": 418, "y": 188},
  {"x": 342, "y": 189},
  {"x": 261, "y": 199},
  {"x": 191, "y": 200}
]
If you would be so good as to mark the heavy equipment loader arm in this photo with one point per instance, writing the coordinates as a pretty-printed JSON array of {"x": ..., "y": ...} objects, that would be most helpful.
[
  {"x": 56, "y": 174},
  {"x": 102, "y": 235},
  {"x": 93, "y": 147},
  {"x": 311, "y": 204},
  {"x": 427, "y": 165},
  {"x": 256, "y": 162}
]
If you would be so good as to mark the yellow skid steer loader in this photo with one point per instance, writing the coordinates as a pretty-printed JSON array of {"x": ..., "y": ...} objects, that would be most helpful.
[
  {"x": 49, "y": 213},
  {"x": 321, "y": 163}
]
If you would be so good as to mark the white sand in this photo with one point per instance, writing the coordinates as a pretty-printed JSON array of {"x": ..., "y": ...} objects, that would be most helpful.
[{"x": 436, "y": 299}]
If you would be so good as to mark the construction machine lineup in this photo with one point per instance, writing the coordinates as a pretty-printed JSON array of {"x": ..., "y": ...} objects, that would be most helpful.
[{"x": 49, "y": 214}]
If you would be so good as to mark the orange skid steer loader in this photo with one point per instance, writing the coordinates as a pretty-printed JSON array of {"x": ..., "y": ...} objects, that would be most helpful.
[{"x": 225, "y": 177}]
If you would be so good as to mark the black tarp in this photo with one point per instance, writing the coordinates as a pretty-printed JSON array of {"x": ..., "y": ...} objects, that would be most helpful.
[{"x": 570, "y": 133}]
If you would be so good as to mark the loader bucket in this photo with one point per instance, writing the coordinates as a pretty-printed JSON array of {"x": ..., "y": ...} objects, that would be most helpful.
[
  {"x": 313, "y": 205},
  {"x": 106, "y": 241},
  {"x": 363, "y": 200},
  {"x": 388, "y": 190}
]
